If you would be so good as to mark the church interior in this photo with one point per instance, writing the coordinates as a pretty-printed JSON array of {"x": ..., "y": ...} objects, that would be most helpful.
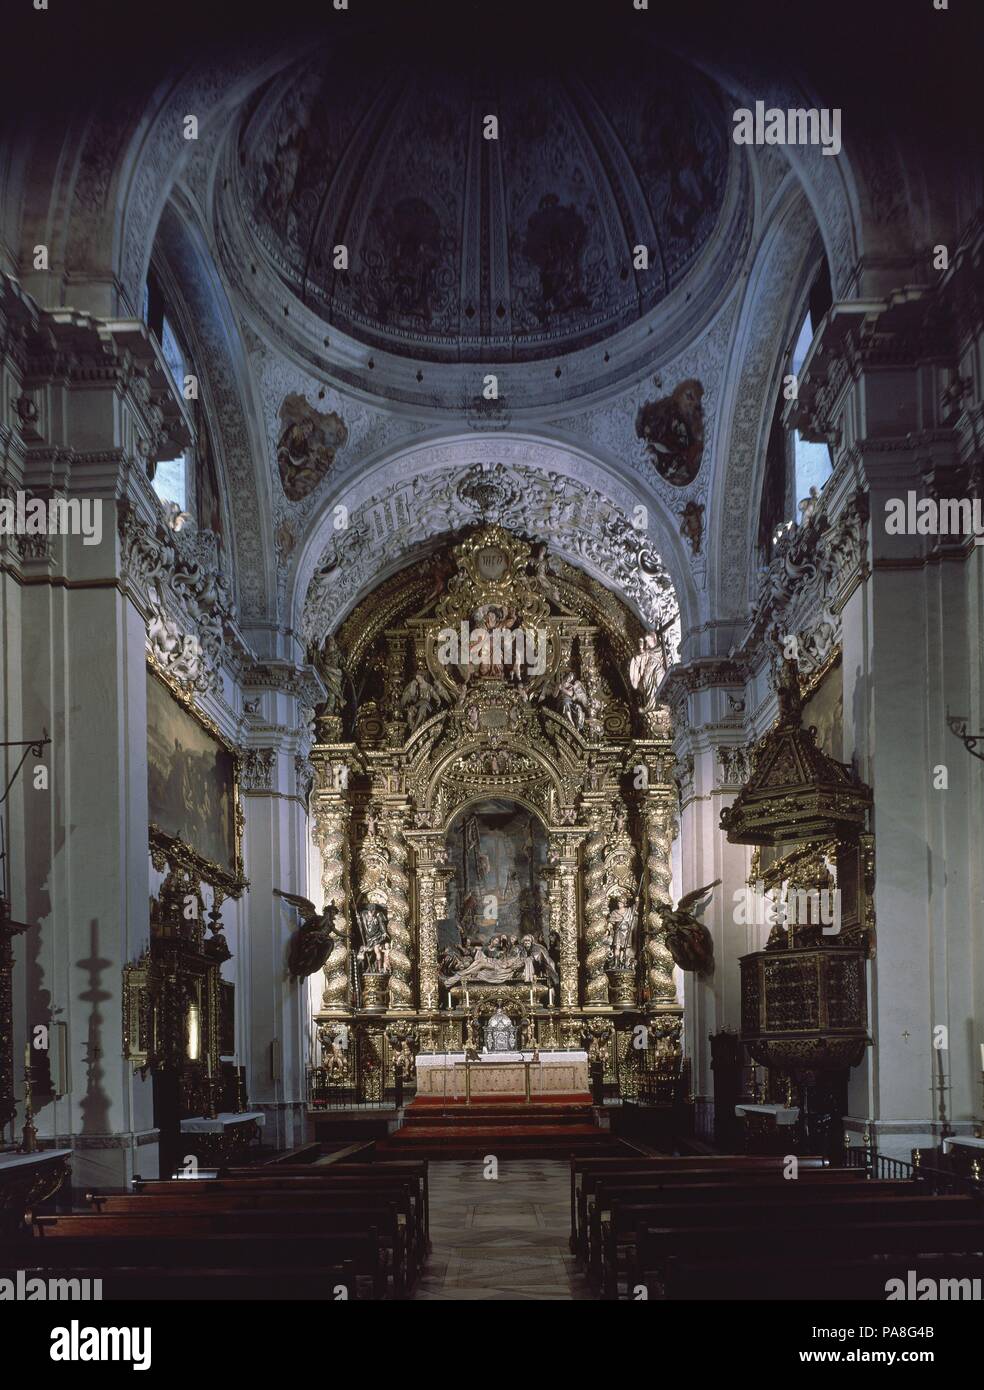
[{"x": 491, "y": 595}]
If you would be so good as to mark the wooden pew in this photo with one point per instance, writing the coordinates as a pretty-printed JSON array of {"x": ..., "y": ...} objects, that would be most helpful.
[
  {"x": 618, "y": 1238},
  {"x": 282, "y": 1230},
  {"x": 753, "y": 1171},
  {"x": 259, "y": 1254},
  {"x": 905, "y": 1241},
  {"x": 361, "y": 1177},
  {"x": 650, "y": 1188},
  {"x": 408, "y": 1169},
  {"x": 839, "y": 1279},
  {"x": 154, "y": 1284},
  {"x": 193, "y": 1198},
  {"x": 584, "y": 1170}
]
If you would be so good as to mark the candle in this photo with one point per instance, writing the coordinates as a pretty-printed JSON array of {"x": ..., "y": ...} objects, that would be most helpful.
[
  {"x": 27, "y": 1056},
  {"x": 531, "y": 996},
  {"x": 982, "y": 1056},
  {"x": 550, "y": 998}
]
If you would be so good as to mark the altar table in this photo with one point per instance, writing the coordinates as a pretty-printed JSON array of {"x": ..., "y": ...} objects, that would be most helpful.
[
  {"x": 966, "y": 1153},
  {"x": 505, "y": 1075},
  {"x": 784, "y": 1115},
  {"x": 769, "y": 1128},
  {"x": 26, "y": 1180},
  {"x": 220, "y": 1124},
  {"x": 223, "y": 1138}
]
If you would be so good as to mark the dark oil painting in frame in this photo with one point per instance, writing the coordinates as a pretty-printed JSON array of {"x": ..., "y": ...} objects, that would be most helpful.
[{"x": 191, "y": 779}]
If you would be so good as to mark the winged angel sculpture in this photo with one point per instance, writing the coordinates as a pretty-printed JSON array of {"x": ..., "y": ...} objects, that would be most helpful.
[
  {"x": 688, "y": 940},
  {"x": 315, "y": 938}
]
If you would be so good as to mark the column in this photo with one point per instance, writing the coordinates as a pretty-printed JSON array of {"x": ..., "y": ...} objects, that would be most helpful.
[
  {"x": 401, "y": 979},
  {"x": 332, "y": 815},
  {"x": 561, "y": 875},
  {"x": 596, "y": 909},
  {"x": 272, "y": 1009},
  {"x": 90, "y": 400},
  {"x": 396, "y": 662},
  {"x": 433, "y": 874},
  {"x": 659, "y": 819}
]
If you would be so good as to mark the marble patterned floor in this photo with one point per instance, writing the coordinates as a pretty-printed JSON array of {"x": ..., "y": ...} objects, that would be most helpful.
[{"x": 503, "y": 1238}]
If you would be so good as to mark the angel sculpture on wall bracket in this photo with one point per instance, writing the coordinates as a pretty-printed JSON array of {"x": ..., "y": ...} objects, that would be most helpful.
[
  {"x": 314, "y": 940},
  {"x": 688, "y": 940}
]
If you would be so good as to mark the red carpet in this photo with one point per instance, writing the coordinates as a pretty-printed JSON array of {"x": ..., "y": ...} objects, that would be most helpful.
[{"x": 558, "y": 1128}]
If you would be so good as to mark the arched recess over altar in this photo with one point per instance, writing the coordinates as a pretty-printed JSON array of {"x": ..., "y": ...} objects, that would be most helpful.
[
  {"x": 496, "y": 675},
  {"x": 596, "y": 513}
]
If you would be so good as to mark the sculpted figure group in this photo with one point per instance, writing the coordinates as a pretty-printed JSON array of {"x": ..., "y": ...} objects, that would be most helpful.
[{"x": 502, "y": 960}]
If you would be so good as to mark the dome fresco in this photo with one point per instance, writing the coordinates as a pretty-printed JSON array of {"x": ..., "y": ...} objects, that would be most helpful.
[{"x": 467, "y": 248}]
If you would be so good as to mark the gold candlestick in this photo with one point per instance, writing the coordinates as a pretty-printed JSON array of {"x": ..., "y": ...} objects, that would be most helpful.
[
  {"x": 29, "y": 1143},
  {"x": 210, "y": 1110}
]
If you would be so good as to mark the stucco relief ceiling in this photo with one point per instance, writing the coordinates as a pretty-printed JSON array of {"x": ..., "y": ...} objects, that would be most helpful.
[
  {"x": 468, "y": 249},
  {"x": 527, "y": 486},
  {"x": 610, "y": 362}
]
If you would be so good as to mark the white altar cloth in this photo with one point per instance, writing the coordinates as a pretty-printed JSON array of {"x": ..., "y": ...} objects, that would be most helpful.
[
  {"x": 502, "y": 1073},
  {"x": 218, "y": 1124},
  {"x": 785, "y": 1115},
  {"x": 962, "y": 1141},
  {"x": 14, "y": 1159}
]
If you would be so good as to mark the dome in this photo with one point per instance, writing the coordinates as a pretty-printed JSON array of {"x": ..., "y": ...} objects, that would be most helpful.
[{"x": 464, "y": 248}]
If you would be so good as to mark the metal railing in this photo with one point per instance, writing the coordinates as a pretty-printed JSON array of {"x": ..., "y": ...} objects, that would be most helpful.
[
  {"x": 347, "y": 1097},
  {"x": 939, "y": 1181}
]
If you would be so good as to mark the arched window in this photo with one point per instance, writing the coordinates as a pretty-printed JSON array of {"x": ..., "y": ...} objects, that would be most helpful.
[
  {"x": 793, "y": 465},
  {"x": 173, "y": 478},
  {"x": 812, "y": 463}
]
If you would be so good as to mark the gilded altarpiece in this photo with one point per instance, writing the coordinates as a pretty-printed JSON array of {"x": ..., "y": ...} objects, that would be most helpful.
[{"x": 494, "y": 813}]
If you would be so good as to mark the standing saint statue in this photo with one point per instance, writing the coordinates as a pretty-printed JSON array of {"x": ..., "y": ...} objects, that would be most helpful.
[
  {"x": 647, "y": 668},
  {"x": 621, "y": 935}
]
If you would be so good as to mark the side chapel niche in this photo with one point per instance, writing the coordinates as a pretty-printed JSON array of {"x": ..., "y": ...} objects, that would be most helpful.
[{"x": 494, "y": 811}]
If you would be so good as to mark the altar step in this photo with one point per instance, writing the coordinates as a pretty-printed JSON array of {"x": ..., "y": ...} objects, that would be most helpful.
[
  {"x": 514, "y": 1114},
  {"x": 508, "y": 1130}
]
